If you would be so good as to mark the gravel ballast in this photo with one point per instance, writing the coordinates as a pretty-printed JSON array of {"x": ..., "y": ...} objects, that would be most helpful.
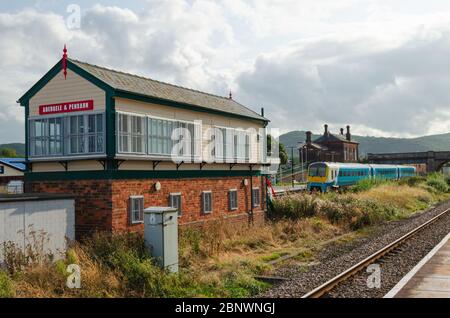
[{"x": 336, "y": 258}]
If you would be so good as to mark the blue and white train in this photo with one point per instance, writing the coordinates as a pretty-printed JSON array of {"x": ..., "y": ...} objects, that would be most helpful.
[{"x": 325, "y": 175}]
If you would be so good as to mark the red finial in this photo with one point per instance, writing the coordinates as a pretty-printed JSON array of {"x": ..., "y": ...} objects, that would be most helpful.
[
  {"x": 64, "y": 61},
  {"x": 231, "y": 95}
]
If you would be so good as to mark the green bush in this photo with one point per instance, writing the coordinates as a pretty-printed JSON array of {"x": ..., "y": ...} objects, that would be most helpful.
[
  {"x": 294, "y": 207},
  {"x": 412, "y": 181},
  {"x": 128, "y": 256},
  {"x": 371, "y": 213},
  {"x": 6, "y": 286},
  {"x": 438, "y": 182},
  {"x": 367, "y": 184}
]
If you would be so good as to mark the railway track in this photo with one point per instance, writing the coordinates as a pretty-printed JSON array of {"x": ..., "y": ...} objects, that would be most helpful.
[{"x": 390, "y": 248}]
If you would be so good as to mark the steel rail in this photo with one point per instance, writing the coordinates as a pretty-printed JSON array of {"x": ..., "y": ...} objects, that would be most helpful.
[{"x": 332, "y": 283}]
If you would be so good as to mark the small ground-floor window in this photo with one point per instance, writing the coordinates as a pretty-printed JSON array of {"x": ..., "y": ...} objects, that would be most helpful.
[
  {"x": 232, "y": 196},
  {"x": 136, "y": 209},
  {"x": 175, "y": 202},
  {"x": 207, "y": 202},
  {"x": 256, "y": 197}
]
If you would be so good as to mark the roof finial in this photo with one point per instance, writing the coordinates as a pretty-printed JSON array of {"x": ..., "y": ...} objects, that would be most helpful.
[
  {"x": 64, "y": 61},
  {"x": 231, "y": 95}
]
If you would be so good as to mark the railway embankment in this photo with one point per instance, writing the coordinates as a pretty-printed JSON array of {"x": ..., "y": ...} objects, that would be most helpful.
[{"x": 390, "y": 211}]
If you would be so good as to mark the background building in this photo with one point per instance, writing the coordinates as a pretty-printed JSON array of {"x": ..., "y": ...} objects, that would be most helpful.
[
  {"x": 105, "y": 137},
  {"x": 11, "y": 175},
  {"x": 330, "y": 147}
]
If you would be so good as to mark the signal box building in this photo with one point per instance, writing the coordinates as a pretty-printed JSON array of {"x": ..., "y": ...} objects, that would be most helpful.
[{"x": 120, "y": 142}]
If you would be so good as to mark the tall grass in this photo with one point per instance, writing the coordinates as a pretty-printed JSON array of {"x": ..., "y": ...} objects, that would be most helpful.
[
  {"x": 367, "y": 184},
  {"x": 369, "y": 202},
  {"x": 438, "y": 182}
]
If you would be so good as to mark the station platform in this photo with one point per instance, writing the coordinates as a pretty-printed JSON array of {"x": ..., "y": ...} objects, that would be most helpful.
[{"x": 428, "y": 279}]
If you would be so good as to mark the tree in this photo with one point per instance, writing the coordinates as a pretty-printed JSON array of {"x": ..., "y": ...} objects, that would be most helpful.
[
  {"x": 283, "y": 154},
  {"x": 281, "y": 148},
  {"x": 8, "y": 153}
]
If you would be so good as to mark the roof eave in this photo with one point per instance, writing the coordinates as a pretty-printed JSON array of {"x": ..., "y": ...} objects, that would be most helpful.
[{"x": 121, "y": 93}]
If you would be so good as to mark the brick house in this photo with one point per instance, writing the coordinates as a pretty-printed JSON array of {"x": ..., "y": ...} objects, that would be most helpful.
[
  {"x": 330, "y": 147},
  {"x": 108, "y": 138}
]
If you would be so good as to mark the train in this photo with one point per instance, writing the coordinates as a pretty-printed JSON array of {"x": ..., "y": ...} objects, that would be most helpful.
[{"x": 325, "y": 175}]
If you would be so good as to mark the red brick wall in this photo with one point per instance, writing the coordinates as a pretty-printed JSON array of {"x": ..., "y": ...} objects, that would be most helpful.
[
  {"x": 191, "y": 199},
  {"x": 104, "y": 204},
  {"x": 93, "y": 202}
]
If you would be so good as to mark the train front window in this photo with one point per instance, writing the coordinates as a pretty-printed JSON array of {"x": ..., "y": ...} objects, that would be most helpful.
[{"x": 317, "y": 171}]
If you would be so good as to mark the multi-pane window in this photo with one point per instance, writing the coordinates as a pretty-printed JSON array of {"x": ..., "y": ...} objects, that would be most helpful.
[
  {"x": 131, "y": 133},
  {"x": 86, "y": 134},
  {"x": 46, "y": 137},
  {"x": 72, "y": 135},
  {"x": 137, "y": 134},
  {"x": 160, "y": 136},
  {"x": 207, "y": 201},
  {"x": 231, "y": 144},
  {"x": 232, "y": 198},
  {"x": 55, "y": 136},
  {"x": 136, "y": 209},
  {"x": 95, "y": 133},
  {"x": 175, "y": 202},
  {"x": 123, "y": 133},
  {"x": 256, "y": 194}
]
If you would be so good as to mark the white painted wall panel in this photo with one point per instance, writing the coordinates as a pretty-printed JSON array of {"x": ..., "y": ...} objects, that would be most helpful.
[{"x": 56, "y": 218}]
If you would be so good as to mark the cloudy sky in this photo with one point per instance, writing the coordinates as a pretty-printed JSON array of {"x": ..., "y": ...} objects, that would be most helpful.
[{"x": 381, "y": 66}]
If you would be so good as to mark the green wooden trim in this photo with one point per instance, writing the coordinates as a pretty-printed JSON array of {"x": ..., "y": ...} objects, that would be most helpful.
[
  {"x": 110, "y": 130},
  {"x": 55, "y": 70},
  {"x": 136, "y": 174},
  {"x": 166, "y": 102},
  {"x": 27, "y": 114}
]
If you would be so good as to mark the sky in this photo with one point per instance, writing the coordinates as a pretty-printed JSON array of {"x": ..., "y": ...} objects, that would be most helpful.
[{"x": 382, "y": 67}]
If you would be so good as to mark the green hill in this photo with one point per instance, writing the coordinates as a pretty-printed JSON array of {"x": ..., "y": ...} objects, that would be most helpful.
[
  {"x": 18, "y": 147},
  {"x": 382, "y": 145}
]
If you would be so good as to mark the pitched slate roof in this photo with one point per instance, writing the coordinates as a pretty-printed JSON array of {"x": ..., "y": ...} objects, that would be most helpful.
[
  {"x": 148, "y": 87},
  {"x": 16, "y": 163},
  {"x": 331, "y": 137}
]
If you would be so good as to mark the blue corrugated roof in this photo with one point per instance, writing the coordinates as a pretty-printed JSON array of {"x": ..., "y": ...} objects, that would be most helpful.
[{"x": 18, "y": 163}]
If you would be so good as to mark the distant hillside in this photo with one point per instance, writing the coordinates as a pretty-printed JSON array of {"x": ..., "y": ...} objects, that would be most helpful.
[
  {"x": 382, "y": 145},
  {"x": 18, "y": 147}
]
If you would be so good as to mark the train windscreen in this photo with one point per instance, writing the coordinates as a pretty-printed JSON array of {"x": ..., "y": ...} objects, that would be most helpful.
[{"x": 317, "y": 170}]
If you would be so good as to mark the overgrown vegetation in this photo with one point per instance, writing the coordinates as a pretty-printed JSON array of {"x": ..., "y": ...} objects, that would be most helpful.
[
  {"x": 369, "y": 202},
  {"x": 218, "y": 259}
]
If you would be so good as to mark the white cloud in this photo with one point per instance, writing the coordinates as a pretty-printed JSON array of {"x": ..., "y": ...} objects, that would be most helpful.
[{"x": 361, "y": 62}]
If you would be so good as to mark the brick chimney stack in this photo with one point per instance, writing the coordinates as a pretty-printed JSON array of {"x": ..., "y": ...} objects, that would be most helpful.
[
  {"x": 326, "y": 130},
  {"x": 348, "y": 135},
  {"x": 308, "y": 137},
  {"x": 342, "y": 131}
]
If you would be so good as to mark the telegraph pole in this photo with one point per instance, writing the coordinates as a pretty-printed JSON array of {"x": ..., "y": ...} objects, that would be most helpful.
[{"x": 292, "y": 164}]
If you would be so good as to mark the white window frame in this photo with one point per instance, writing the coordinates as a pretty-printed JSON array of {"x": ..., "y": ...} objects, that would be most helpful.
[
  {"x": 256, "y": 203},
  {"x": 64, "y": 138},
  {"x": 86, "y": 134},
  {"x": 130, "y": 135},
  {"x": 205, "y": 209},
  {"x": 230, "y": 201},
  {"x": 169, "y": 140},
  {"x": 140, "y": 211},
  {"x": 180, "y": 209}
]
